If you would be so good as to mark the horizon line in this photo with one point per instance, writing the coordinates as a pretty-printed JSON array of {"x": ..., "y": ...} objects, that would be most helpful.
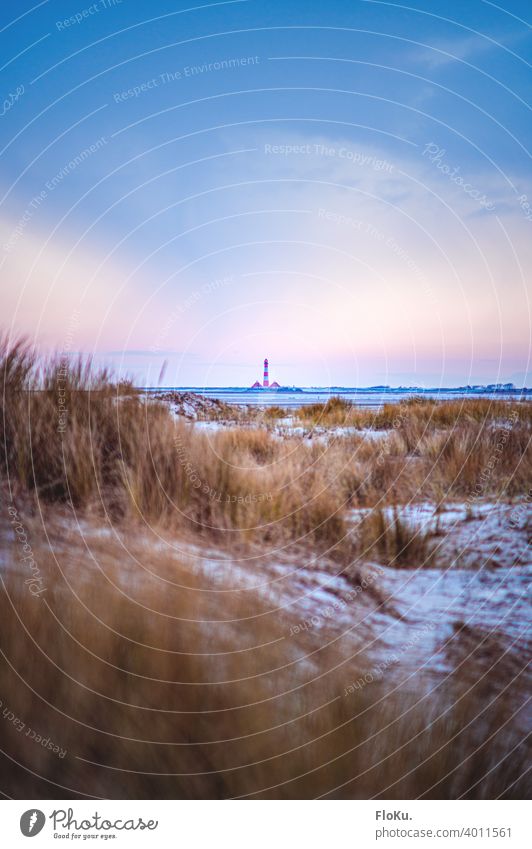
[{"x": 507, "y": 387}]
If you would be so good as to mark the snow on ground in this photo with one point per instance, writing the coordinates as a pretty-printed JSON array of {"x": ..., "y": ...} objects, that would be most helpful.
[
  {"x": 189, "y": 405},
  {"x": 208, "y": 414},
  {"x": 400, "y": 619},
  {"x": 481, "y": 534},
  {"x": 327, "y": 435},
  {"x": 479, "y": 585},
  {"x": 289, "y": 427},
  {"x": 212, "y": 426}
]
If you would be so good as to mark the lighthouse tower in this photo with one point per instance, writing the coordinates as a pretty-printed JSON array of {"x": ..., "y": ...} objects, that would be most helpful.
[{"x": 266, "y": 381}]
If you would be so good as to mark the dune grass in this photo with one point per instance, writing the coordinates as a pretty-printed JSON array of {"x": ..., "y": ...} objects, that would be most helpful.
[
  {"x": 156, "y": 686},
  {"x": 393, "y": 541},
  {"x": 70, "y": 434},
  {"x": 412, "y": 410},
  {"x": 160, "y": 678}
]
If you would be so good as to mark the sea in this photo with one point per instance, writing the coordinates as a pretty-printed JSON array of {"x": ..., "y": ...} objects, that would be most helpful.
[{"x": 369, "y": 399}]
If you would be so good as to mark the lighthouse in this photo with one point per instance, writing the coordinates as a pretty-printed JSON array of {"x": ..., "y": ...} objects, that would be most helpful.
[{"x": 266, "y": 381}]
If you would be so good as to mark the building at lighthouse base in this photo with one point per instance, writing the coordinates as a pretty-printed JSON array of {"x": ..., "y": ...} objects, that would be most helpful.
[{"x": 258, "y": 385}]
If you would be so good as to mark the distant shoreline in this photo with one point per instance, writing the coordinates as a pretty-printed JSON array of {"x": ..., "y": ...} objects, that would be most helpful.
[
  {"x": 371, "y": 398},
  {"x": 332, "y": 390}
]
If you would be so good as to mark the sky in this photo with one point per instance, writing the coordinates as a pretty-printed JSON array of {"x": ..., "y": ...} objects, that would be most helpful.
[{"x": 344, "y": 187}]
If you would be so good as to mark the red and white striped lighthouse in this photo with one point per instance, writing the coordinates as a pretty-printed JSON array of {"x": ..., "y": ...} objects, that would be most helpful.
[{"x": 266, "y": 381}]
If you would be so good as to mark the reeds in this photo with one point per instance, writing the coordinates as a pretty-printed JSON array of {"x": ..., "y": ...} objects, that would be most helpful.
[
  {"x": 164, "y": 676},
  {"x": 73, "y": 436},
  {"x": 384, "y": 536},
  {"x": 156, "y": 684},
  {"x": 426, "y": 413},
  {"x": 70, "y": 434}
]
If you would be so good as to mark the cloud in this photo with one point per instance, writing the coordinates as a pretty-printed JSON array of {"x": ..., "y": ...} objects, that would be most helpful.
[
  {"x": 51, "y": 293},
  {"x": 462, "y": 49}
]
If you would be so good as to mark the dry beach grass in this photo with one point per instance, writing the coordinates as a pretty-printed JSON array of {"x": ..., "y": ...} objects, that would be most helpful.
[
  {"x": 128, "y": 669},
  {"x": 160, "y": 675}
]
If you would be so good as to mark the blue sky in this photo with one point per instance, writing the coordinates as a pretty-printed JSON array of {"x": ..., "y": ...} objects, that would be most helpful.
[{"x": 340, "y": 186}]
